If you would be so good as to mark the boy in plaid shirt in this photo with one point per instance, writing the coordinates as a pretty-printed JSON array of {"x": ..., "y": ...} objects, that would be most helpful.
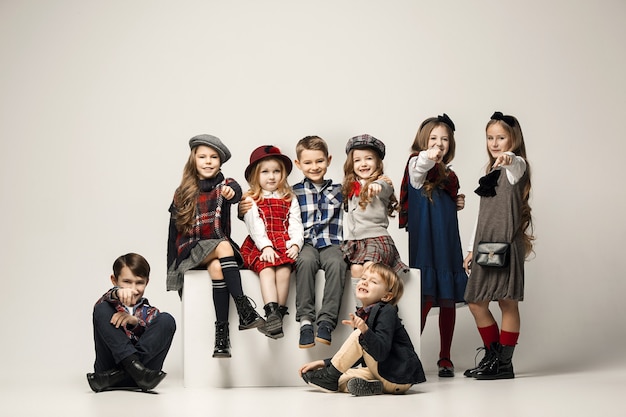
[{"x": 321, "y": 208}]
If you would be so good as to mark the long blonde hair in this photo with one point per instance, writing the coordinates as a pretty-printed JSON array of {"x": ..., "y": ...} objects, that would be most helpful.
[
  {"x": 349, "y": 179},
  {"x": 256, "y": 192},
  {"x": 518, "y": 147}
]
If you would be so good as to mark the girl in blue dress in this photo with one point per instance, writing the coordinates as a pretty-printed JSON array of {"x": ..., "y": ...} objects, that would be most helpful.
[{"x": 429, "y": 201}]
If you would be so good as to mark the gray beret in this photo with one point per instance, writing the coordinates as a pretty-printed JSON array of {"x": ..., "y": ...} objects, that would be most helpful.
[{"x": 213, "y": 142}]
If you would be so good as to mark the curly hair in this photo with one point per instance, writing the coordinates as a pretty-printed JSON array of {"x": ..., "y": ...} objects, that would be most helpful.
[
  {"x": 350, "y": 178},
  {"x": 186, "y": 195}
]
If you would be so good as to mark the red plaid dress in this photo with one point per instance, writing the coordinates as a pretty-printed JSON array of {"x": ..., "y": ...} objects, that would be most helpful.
[{"x": 275, "y": 215}]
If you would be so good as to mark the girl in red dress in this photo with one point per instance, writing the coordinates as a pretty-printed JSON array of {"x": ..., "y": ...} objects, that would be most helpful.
[{"x": 275, "y": 229}]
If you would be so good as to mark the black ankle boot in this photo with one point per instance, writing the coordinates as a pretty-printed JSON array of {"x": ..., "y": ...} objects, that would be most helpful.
[
  {"x": 283, "y": 311},
  {"x": 222, "y": 340},
  {"x": 487, "y": 358},
  {"x": 100, "y": 381},
  {"x": 326, "y": 378},
  {"x": 146, "y": 379},
  {"x": 248, "y": 317},
  {"x": 501, "y": 365},
  {"x": 273, "y": 326}
]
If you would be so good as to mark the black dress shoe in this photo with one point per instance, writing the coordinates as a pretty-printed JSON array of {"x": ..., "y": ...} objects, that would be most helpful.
[
  {"x": 100, "y": 381},
  {"x": 445, "y": 371},
  {"x": 146, "y": 379}
]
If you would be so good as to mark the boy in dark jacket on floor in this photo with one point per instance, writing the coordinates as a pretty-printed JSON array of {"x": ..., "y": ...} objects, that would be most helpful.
[{"x": 379, "y": 341}]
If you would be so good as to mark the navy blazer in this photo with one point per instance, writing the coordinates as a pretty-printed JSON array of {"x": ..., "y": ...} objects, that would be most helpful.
[{"x": 388, "y": 342}]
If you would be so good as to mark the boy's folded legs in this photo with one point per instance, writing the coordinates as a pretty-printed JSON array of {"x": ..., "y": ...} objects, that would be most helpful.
[{"x": 130, "y": 373}]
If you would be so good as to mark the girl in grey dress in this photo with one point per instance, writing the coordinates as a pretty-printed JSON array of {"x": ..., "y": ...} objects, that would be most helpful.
[{"x": 503, "y": 216}]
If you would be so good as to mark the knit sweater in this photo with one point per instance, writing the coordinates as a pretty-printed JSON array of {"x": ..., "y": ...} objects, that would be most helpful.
[{"x": 372, "y": 221}]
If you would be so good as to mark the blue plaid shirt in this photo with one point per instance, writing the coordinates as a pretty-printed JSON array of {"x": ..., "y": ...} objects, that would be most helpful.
[{"x": 322, "y": 214}]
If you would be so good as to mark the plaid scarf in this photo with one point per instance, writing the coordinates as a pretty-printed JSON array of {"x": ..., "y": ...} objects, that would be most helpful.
[
  {"x": 208, "y": 222},
  {"x": 450, "y": 184}
]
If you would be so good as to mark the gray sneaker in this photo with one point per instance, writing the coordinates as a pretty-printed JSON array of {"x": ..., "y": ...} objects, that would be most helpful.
[{"x": 361, "y": 387}]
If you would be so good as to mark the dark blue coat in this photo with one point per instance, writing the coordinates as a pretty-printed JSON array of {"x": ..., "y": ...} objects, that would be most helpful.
[{"x": 388, "y": 342}]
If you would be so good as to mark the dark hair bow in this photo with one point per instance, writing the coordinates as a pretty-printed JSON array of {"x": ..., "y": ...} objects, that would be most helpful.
[
  {"x": 487, "y": 184},
  {"x": 446, "y": 119},
  {"x": 509, "y": 120}
]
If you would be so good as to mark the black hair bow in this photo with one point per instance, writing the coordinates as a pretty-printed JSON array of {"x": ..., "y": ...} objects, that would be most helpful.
[
  {"x": 446, "y": 119},
  {"x": 487, "y": 184},
  {"x": 509, "y": 120}
]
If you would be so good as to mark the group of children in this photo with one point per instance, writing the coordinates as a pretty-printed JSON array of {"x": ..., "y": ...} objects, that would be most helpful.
[{"x": 317, "y": 224}]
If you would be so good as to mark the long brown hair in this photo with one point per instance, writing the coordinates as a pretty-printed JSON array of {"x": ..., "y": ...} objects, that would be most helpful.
[
  {"x": 421, "y": 144},
  {"x": 349, "y": 179},
  {"x": 518, "y": 147},
  {"x": 256, "y": 192},
  {"x": 186, "y": 195}
]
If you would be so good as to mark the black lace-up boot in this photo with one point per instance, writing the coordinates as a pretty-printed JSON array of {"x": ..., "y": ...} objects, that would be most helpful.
[
  {"x": 248, "y": 317},
  {"x": 222, "y": 340},
  {"x": 273, "y": 326},
  {"x": 487, "y": 358},
  {"x": 501, "y": 365},
  {"x": 326, "y": 378}
]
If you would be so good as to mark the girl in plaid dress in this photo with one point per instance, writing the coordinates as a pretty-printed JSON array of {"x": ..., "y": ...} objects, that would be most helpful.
[
  {"x": 368, "y": 202},
  {"x": 199, "y": 235},
  {"x": 275, "y": 229}
]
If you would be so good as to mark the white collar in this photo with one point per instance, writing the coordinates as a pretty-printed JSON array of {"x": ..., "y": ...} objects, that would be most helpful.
[{"x": 272, "y": 194}]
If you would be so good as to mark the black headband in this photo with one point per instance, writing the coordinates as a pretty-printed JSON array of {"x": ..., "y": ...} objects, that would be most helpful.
[
  {"x": 443, "y": 119},
  {"x": 509, "y": 120}
]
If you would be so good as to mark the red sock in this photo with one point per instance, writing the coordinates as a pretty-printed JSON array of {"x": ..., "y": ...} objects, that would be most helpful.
[
  {"x": 508, "y": 338},
  {"x": 426, "y": 306},
  {"x": 489, "y": 334},
  {"x": 447, "y": 318}
]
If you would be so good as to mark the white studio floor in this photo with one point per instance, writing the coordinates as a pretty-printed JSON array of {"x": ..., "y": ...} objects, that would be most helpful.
[{"x": 591, "y": 393}]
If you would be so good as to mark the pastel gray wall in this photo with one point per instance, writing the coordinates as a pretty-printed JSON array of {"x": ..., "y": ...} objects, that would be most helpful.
[{"x": 98, "y": 100}]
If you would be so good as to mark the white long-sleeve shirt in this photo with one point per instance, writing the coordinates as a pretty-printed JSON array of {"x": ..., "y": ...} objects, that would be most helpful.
[{"x": 418, "y": 169}]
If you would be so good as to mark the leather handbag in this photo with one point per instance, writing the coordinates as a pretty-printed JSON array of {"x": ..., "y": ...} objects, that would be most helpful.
[{"x": 493, "y": 254}]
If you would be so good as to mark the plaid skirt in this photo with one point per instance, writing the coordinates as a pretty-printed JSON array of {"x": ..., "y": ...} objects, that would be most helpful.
[
  {"x": 176, "y": 274},
  {"x": 374, "y": 249}
]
